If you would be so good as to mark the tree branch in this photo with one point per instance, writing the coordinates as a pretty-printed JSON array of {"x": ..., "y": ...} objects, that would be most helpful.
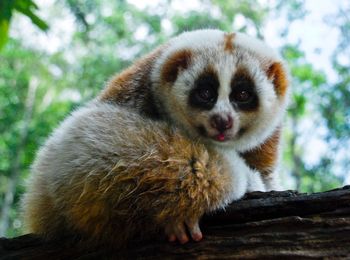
[{"x": 262, "y": 225}]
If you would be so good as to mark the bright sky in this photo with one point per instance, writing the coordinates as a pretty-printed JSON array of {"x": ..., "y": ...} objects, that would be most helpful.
[{"x": 317, "y": 37}]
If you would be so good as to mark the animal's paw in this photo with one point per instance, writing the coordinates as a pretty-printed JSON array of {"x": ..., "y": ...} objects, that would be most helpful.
[{"x": 181, "y": 231}]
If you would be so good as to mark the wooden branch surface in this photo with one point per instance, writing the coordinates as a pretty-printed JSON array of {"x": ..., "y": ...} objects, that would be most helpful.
[{"x": 279, "y": 225}]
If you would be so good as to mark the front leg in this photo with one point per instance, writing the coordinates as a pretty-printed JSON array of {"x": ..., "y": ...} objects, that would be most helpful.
[
  {"x": 244, "y": 179},
  {"x": 255, "y": 182},
  {"x": 201, "y": 186},
  {"x": 169, "y": 188}
]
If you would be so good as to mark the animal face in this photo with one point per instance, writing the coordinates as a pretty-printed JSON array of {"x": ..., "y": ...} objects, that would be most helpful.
[{"x": 213, "y": 86}]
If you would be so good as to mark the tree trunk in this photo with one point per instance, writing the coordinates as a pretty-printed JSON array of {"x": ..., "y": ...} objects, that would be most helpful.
[{"x": 262, "y": 225}]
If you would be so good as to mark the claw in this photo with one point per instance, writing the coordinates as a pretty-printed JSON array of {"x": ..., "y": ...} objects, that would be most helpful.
[
  {"x": 193, "y": 228},
  {"x": 178, "y": 232},
  {"x": 171, "y": 238},
  {"x": 183, "y": 239}
]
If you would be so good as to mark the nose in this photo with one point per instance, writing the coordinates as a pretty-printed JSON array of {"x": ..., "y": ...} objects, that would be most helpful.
[{"x": 221, "y": 123}]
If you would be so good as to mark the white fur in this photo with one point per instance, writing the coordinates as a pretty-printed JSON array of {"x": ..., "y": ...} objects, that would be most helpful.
[
  {"x": 244, "y": 178},
  {"x": 255, "y": 45}
]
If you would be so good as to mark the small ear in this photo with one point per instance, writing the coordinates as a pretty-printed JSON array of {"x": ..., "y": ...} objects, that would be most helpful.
[
  {"x": 278, "y": 75},
  {"x": 177, "y": 62}
]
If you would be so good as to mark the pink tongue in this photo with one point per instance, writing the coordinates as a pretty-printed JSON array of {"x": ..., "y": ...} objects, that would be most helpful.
[{"x": 221, "y": 137}]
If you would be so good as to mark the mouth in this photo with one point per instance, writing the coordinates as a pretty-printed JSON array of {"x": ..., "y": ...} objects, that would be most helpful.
[
  {"x": 222, "y": 137},
  {"x": 219, "y": 137}
]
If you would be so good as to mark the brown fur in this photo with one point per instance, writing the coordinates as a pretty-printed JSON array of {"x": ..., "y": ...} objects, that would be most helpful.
[
  {"x": 228, "y": 42},
  {"x": 132, "y": 86},
  {"x": 279, "y": 78},
  {"x": 168, "y": 180},
  {"x": 180, "y": 60},
  {"x": 121, "y": 86},
  {"x": 264, "y": 157}
]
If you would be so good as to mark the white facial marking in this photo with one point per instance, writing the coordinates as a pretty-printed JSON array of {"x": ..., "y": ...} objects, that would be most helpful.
[{"x": 224, "y": 67}]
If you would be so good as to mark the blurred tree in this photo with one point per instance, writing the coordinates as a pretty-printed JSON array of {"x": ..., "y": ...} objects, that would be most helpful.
[
  {"x": 307, "y": 83},
  {"x": 129, "y": 32},
  {"x": 335, "y": 105},
  {"x": 25, "y": 120},
  {"x": 313, "y": 95}
]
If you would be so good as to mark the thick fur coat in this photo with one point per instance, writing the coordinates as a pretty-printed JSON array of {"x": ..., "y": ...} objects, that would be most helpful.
[{"x": 183, "y": 131}]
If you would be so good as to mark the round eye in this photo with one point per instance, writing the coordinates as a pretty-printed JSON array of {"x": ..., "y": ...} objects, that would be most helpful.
[
  {"x": 205, "y": 94},
  {"x": 242, "y": 96}
]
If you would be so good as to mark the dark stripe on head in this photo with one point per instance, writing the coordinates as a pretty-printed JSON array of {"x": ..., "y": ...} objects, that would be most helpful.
[
  {"x": 277, "y": 74},
  {"x": 243, "y": 91},
  {"x": 205, "y": 92},
  {"x": 177, "y": 62},
  {"x": 228, "y": 42}
]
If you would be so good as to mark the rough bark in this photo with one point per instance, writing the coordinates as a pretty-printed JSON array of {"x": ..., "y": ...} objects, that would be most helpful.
[{"x": 280, "y": 225}]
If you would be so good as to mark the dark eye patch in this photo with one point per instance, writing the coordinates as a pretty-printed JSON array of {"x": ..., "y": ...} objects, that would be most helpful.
[
  {"x": 243, "y": 91},
  {"x": 205, "y": 92}
]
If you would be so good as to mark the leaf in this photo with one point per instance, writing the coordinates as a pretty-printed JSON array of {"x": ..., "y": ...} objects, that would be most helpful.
[
  {"x": 37, "y": 21},
  {"x": 4, "y": 27},
  {"x": 25, "y": 7}
]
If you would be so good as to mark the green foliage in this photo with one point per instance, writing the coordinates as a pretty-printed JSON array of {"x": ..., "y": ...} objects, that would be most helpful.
[
  {"x": 4, "y": 28},
  {"x": 194, "y": 20},
  {"x": 320, "y": 177},
  {"x": 336, "y": 99},
  {"x": 20, "y": 68},
  {"x": 252, "y": 10},
  {"x": 308, "y": 101},
  {"x": 26, "y": 7}
]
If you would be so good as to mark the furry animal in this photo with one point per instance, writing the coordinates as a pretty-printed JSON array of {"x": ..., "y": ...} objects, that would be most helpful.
[
  {"x": 227, "y": 89},
  {"x": 110, "y": 175},
  {"x": 184, "y": 131}
]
